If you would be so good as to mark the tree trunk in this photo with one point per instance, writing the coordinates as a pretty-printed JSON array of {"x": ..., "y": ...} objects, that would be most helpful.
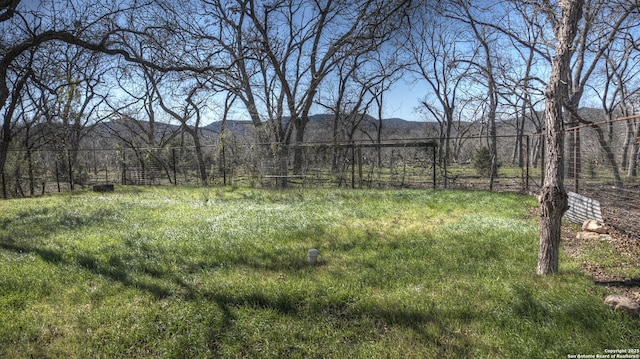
[
  {"x": 6, "y": 130},
  {"x": 448, "y": 126},
  {"x": 634, "y": 152},
  {"x": 553, "y": 197},
  {"x": 5, "y": 140},
  {"x": 283, "y": 165},
  {"x": 298, "y": 154},
  {"x": 200, "y": 157}
]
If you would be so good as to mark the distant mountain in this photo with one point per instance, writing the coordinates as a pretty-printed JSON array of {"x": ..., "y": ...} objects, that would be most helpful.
[
  {"x": 395, "y": 123},
  {"x": 133, "y": 126},
  {"x": 237, "y": 127},
  {"x": 319, "y": 129},
  {"x": 110, "y": 134},
  {"x": 401, "y": 124},
  {"x": 319, "y": 119}
]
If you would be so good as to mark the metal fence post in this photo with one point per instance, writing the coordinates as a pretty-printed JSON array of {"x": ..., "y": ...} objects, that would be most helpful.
[
  {"x": 175, "y": 171},
  {"x": 435, "y": 158},
  {"x": 575, "y": 160},
  {"x": 123, "y": 179},
  {"x": 526, "y": 165},
  {"x": 359, "y": 167}
]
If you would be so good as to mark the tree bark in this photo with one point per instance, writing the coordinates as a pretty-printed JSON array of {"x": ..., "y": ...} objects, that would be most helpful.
[
  {"x": 298, "y": 154},
  {"x": 553, "y": 196}
]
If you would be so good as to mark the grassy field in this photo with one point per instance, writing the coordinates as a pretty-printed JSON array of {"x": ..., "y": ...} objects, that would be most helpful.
[{"x": 221, "y": 272}]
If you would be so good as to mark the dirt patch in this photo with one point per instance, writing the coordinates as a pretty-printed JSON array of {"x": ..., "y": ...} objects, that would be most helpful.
[
  {"x": 626, "y": 246},
  {"x": 624, "y": 222},
  {"x": 570, "y": 244},
  {"x": 620, "y": 206}
]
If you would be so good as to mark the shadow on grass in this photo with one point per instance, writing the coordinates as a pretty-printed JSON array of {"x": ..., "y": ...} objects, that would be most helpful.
[
  {"x": 46, "y": 222},
  {"x": 623, "y": 283},
  {"x": 281, "y": 262},
  {"x": 441, "y": 324},
  {"x": 115, "y": 269},
  {"x": 169, "y": 284},
  {"x": 46, "y": 254},
  {"x": 526, "y": 306},
  {"x": 429, "y": 326}
]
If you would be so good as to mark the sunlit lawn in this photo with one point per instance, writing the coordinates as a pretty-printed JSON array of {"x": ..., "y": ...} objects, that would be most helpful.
[{"x": 222, "y": 272}]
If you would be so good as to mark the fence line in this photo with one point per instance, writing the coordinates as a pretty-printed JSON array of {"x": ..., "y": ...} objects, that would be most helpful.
[{"x": 601, "y": 164}]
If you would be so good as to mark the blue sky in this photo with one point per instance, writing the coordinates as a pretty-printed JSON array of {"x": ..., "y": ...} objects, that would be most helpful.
[{"x": 402, "y": 100}]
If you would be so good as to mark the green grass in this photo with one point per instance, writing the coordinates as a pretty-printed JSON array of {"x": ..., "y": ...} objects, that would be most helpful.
[{"x": 222, "y": 272}]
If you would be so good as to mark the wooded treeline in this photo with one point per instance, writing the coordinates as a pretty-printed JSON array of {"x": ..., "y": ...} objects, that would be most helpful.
[{"x": 69, "y": 65}]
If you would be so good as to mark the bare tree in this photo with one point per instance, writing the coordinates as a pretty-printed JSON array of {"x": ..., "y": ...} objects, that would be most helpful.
[
  {"x": 437, "y": 59},
  {"x": 191, "y": 113},
  {"x": 602, "y": 22},
  {"x": 553, "y": 196},
  {"x": 75, "y": 80},
  {"x": 226, "y": 139},
  {"x": 30, "y": 116},
  {"x": 115, "y": 29},
  {"x": 488, "y": 46},
  {"x": 139, "y": 122},
  {"x": 286, "y": 49},
  {"x": 7, "y": 9},
  {"x": 21, "y": 79},
  {"x": 388, "y": 68},
  {"x": 619, "y": 86},
  {"x": 632, "y": 134},
  {"x": 347, "y": 102},
  {"x": 521, "y": 86},
  {"x": 357, "y": 90},
  {"x": 597, "y": 31}
]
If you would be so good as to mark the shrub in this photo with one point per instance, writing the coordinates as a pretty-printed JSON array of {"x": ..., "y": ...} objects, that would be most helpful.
[{"x": 482, "y": 161}]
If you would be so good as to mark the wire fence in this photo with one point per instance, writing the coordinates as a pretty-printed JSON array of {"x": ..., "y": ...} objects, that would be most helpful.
[{"x": 601, "y": 163}]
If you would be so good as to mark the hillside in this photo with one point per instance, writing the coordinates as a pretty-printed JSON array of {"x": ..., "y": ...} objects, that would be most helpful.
[{"x": 321, "y": 127}]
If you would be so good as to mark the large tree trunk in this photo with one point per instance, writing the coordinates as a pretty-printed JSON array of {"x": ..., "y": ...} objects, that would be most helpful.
[
  {"x": 553, "y": 197},
  {"x": 7, "y": 135}
]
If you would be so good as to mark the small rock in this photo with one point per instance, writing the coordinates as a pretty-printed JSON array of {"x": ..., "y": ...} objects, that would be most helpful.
[
  {"x": 592, "y": 225},
  {"x": 619, "y": 302}
]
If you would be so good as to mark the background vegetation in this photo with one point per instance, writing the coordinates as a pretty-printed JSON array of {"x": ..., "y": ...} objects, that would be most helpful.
[{"x": 225, "y": 80}]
